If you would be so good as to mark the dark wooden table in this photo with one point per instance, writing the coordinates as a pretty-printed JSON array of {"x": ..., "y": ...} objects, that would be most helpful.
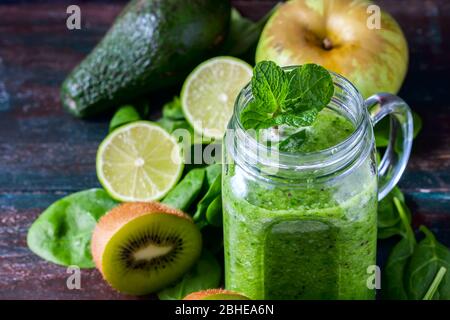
[{"x": 46, "y": 154}]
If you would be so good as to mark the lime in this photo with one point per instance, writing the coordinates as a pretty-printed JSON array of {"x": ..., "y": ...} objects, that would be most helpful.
[
  {"x": 139, "y": 162},
  {"x": 209, "y": 93}
]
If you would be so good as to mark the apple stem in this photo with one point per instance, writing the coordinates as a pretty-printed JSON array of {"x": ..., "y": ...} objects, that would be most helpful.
[{"x": 327, "y": 44}]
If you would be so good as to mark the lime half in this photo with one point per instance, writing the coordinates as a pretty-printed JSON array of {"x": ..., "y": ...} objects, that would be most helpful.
[
  {"x": 209, "y": 93},
  {"x": 139, "y": 162}
]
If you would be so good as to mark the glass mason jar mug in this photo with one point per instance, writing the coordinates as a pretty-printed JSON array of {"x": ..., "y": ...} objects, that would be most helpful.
[{"x": 304, "y": 226}]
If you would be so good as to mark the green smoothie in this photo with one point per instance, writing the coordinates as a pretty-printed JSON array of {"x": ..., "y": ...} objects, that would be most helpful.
[{"x": 302, "y": 242}]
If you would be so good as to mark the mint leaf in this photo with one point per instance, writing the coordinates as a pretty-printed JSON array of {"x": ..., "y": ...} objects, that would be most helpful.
[
  {"x": 269, "y": 85},
  {"x": 310, "y": 87},
  {"x": 293, "y": 142},
  {"x": 253, "y": 115},
  {"x": 302, "y": 119},
  {"x": 292, "y": 98}
]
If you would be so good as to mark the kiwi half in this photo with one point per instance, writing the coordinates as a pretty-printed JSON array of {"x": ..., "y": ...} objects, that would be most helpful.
[
  {"x": 215, "y": 294},
  {"x": 141, "y": 248}
]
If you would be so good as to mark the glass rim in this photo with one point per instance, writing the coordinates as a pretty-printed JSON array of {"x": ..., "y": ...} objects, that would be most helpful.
[{"x": 313, "y": 159}]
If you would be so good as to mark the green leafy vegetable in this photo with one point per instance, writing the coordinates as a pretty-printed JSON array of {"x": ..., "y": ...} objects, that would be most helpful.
[
  {"x": 435, "y": 284},
  {"x": 62, "y": 233},
  {"x": 214, "y": 212},
  {"x": 393, "y": 279},
  {"x": 310, "y": 87},
  {"x": 292, "y": 98},
  {"x": 124, "y": 115},
  {"x": 205, "y": 274},
  {"x": 173, "y": 117},
  {"x": 172, "y": 110},
  {"x": 171, "y": 125},
  {"x": 416, "y": 271},
  {"x": 213, "y": 192},
  {"x": 301, "y": 119},
  {"x": 428, "y": 258},
  {"x": 269, "y": 85},
  {"x": 417, "y": 120},
  {"x": 381, "y": 130},
  {"x": 187, "y": 190},
  {"x": 389, "y": 220},
  {"x": 292, "y": 143},
  {"x": 392, "y": 282},
  {"x": 243, "y": 35},
  {"x": 212, "y": 172},
  {"x": 254, "y": 116}
]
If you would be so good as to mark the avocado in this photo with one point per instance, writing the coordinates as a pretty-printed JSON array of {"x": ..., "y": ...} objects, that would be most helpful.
[{"x": 153, "y": 44}]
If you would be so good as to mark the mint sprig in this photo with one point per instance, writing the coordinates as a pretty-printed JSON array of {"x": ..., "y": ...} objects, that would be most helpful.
[
  {"x": 310, "y": 87},
  {"x": 269, "y": 85},
  {"x": 292, "y": 98}
]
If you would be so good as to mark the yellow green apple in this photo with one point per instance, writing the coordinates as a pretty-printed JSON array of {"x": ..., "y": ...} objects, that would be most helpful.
[{"x": 350, "y": 37}]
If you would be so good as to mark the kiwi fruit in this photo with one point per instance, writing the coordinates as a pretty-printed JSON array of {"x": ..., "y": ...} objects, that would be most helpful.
[
  {"x": 141, "y": 248},
  {"x": 215, "y": 294}
]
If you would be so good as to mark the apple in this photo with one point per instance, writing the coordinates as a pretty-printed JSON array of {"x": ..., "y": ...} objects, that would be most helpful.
[{"x": 342, "y": 36}]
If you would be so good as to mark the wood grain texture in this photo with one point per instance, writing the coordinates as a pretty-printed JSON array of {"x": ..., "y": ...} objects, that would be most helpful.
[{"x": 46, "y": 154}]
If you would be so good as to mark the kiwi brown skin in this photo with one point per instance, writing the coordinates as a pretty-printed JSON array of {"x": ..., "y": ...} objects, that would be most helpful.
[
  {"x": 113, "y": 222},
  {"x": 215, "y": 294}
]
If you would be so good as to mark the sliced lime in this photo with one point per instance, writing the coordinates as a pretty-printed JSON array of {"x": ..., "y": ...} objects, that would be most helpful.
[
  {"x": 209, "y": 93},
  {"x": 139, "y": 162}
]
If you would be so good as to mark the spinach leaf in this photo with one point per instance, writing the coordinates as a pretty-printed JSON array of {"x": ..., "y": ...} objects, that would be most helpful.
[
  {"x": 393, "y": 286},
  {"x": 171, "y": 125},
  {"x": 381, "y": 130},
  {"x": 393, "y": 280},
  {"x": 172, "y": 110},
  {"x": 243, "y": 35},
  {"x": 214, "y": 212},
  {"x": 416, "y": 271},
  {"x": 124, "y": 115},
  {"x": 428, "y": 258},
  {"x": 205, "y": 274},
  {"x": 187, "y": 190},
  {"x": 214, "y": 190},
  {"x": 62, "y": 233},
  {"x": 389, "y": 221},
  {"x": 433, "y": 289},
  {"x": 212, "y": 172}
]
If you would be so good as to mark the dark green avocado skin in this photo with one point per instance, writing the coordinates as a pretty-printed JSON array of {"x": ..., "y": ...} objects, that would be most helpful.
[{"x": 152, "y": 45}]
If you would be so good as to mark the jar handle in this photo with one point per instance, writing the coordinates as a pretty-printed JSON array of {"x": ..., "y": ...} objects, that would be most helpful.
[{"x": 397, "y": 154}]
